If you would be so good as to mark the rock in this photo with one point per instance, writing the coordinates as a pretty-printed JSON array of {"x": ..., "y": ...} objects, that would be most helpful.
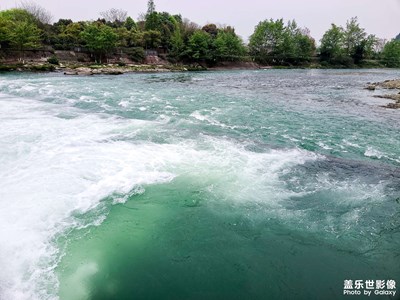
[
  {"x": 389, "y": 84},
  {"x": 371, "y": 87},
  {"x": 70, "y": 73},
  {"x": 83, "y": 70},
  {"x": 395, "y": 97},
  {"x": 393, "y": 105},
  {"x": 115, "y": 71}
]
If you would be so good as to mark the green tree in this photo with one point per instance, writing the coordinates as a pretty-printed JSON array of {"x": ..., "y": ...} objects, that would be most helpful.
[
  {"x": 136, "y": 38},
  {"x": 100, "y": 39},
  {"x": 70, "y": 36},
  {"x": 123, "y": 36},
  {"x": 304, "y": 48},
  {"x": 228, "y": 46},
  {"x": 391, "y": 54},
  {"x": 188, "y": 29},
  {"x": 353, "y": 36},
  {"x": 274, "y": 43},
  {"x": 136, "y": 54},
  {"x": 152, "y": 39},
  {"x": 164, "y": 23},
  {"x": 177, "y": 43},
  {"x": 198, "y": 48},
  {"x": 267, "y": 40},
  {"x": 5, "y": 28},
  {"x": 347, "y": 46},
  {"x": 332, "y": 46},
  {"x": 365, "y": 49},
  {"x": 17, "y": 15},
  {"x": 24, "y": 35},
  {"x": 130, "y": 24},
  {"x": 152, "y": 18},
  {"x": 60, "y": 25}
]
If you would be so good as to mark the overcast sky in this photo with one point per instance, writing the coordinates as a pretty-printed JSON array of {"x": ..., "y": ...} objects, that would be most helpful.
[{"x": 381, "y": 18}]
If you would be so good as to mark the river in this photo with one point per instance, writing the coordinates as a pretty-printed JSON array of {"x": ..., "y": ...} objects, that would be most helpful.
[{"x": 267, "y": 184}]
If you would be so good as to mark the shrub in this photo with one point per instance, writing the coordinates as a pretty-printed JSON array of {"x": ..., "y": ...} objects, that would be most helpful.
[
  {"x": 136, "y": 54},
  {"x": 53, "y": 60}
]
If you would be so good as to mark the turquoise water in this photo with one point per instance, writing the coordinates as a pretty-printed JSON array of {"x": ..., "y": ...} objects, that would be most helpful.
[{"x": 275, "y": 184}]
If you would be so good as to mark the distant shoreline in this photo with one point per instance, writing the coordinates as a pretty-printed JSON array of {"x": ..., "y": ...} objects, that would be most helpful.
[{"x": 76, "y": 68}]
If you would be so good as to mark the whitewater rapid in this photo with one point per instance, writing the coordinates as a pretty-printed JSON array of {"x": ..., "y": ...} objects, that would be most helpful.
[{"x": 71, "y": 150}]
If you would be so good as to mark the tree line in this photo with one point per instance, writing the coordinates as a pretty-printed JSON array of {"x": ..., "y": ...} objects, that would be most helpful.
[{"x": 274, "y": 42}]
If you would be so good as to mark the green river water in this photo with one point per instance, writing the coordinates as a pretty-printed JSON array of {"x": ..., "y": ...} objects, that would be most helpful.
[{"x": 272, "y": 184}]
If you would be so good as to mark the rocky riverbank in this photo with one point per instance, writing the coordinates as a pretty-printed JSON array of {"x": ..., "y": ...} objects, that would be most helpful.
[
  {"x": 98, "y": 69},
  {"x": 111, "y": 69},
  {"x": 118, "y": 68},
  {"x": 388, "y": 85}
]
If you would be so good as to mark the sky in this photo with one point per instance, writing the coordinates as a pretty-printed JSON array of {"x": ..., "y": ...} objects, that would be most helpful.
[{"x": 381, "y": 18}]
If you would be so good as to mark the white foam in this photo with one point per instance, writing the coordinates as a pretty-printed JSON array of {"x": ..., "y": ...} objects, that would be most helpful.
[
  {"x": 56, "y": 168},
  {"x": 53, "y": 169},
  {"x": 324, "y": 146},
  {"x": 124, "y": 103},
  {"x": 203, "y": 116},
  {"x": 371, "y": 152},
  {"x": 197, "y": 115},
  {"x": 348, "y": 143}
]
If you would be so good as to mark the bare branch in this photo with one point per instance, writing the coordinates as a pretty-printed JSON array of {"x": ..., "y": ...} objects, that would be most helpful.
[
  {"x": 39, "y": 12},
  {"x": 114, "y": 15}
]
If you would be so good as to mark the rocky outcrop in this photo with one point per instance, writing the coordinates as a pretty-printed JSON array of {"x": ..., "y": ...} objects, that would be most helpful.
[
  {"x": 393, "y": 105},
  {"x": 388, "y": 85},
  {"x": 395, "y": 97}
]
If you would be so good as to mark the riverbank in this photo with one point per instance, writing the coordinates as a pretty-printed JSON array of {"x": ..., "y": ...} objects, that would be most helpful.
[
  {"x": 90, "y": 69},
  {"x": 68, "y": 68}
]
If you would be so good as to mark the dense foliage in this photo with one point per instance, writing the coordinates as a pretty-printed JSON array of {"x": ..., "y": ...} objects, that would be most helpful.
[
  {"x": 18, "y": 29},
  {"x": 274, "y": 42},
  {"x": 391, "y": 54},
  {"x": 347, "y": 46}
]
